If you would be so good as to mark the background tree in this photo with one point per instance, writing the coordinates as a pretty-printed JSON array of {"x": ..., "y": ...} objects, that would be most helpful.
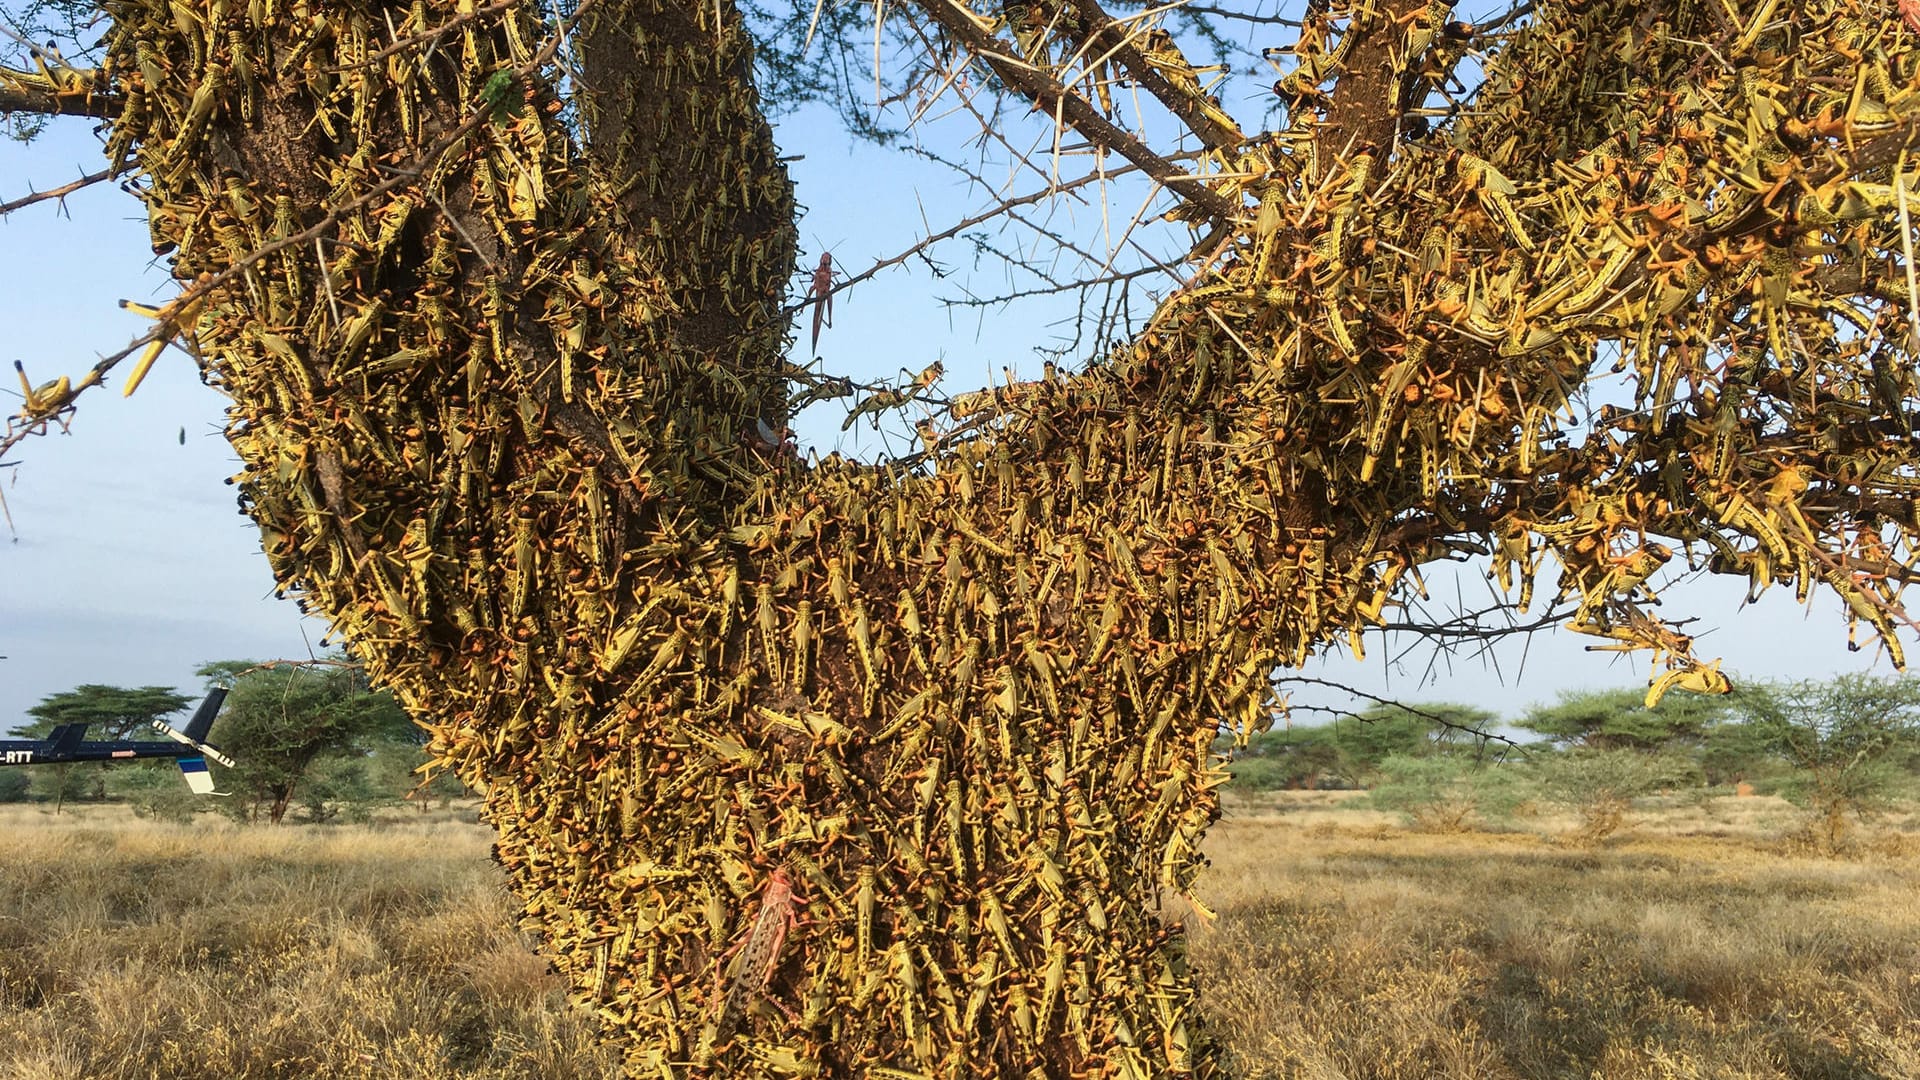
[
  {"x": 1450, "y": 792},
  {"x": 153, "y": 790},
  {"x": 1735, "y": 751},
  {"x": 393, "y": 765},
  {"x": 1295, "y": 757},
  {"x": 500, "y": 295},
  {"x": 1350, "y": 749},
  {"x": 1620, "y": 719},
  {"x": 1851, "y": 739},
  {"x": 111, "y": 712},
  {"x": 279, "y": 722},
  {"x": 1600, "y": 784},
  {"x": 341, "y": 784},
  {"x": 1364, "y": 740}
]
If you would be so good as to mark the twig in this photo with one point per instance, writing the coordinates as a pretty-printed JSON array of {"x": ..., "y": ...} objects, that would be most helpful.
[
  {"x": 269, "y": 665},
  {"x": 1431, "y": 717},
  {"x": 60, "y": 192},
  {"x": 1046, "y": 91},
  {"x": 1467, "y": 626},
  {"x": 1906, "y": 243},
  {"x": 1002, "y": 207},
  {"x": 1052, "y": 290},
  {"x": 1242, "y": 16},
  {"x": 1517, "y": 11}
]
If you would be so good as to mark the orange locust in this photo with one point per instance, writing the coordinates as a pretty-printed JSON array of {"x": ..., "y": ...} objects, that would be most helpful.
[
  {"x": 759, "y": 956},
  {"x": 822, "y": 293}
]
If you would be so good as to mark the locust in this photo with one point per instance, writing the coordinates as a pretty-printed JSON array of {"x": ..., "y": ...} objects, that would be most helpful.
[
  {"x": 759, "y": 955},
  {"x": 820, "y": 292}
]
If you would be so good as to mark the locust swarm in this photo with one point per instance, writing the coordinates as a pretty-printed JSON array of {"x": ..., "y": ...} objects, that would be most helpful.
[{"x": 819, "y": 768}]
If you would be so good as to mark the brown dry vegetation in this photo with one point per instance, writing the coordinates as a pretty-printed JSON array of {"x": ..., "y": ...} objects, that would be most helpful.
[
  {"x": 1701, "y": 943},
  {"x": 135, "y": 950},
  {"x": 1697, "y": 944}
]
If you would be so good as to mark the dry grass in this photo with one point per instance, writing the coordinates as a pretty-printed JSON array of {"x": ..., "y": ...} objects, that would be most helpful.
[
  {"x": 136, "y": 950},
  {"x": 1695, "y": 944}
]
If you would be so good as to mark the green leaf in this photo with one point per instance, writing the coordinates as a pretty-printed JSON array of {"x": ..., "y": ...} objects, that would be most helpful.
[{"x": 499, "y": 96}]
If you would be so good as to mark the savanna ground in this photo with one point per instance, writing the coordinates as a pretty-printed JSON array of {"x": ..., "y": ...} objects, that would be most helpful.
[{"x": 1698, "y": 943}]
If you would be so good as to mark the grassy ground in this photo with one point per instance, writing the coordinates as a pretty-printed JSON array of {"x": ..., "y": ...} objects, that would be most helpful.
[
  {"x": 133, "y": 950},
  {"x": 1700, "y": 943},
  {"x": 1697, "y": 944}
]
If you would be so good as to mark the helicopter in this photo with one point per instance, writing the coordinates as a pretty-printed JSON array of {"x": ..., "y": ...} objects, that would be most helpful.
[{"x": 188, "y": 748}]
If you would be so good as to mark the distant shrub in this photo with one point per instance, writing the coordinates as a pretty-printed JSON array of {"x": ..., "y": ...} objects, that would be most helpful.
[
  {"x": 1600, "y": 785},
  {"x": 1618, "y": 719},
  {"x": 1362, "y": 742},
  {"x": 15, "y": 786},
  {"x": 392, "y": 769},
  {"x": 341, "y": 786},
  {"x": 1277, "y": 760},
  {"x": 156, "y": 792},
  {"x": 1348, "y": 752},
  {"x": 64, "y": 784},
  {"x": 1447, "y": 793},
  {"x": 1264, "y": 774},
  {"x": 1851, "y": 740}
]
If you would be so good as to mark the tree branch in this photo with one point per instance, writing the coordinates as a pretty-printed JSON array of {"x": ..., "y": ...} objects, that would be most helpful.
[
  {"x": 18, "y": 99},
  {"x": 1241, "y": 16},
  {"x": 1414, "y": 710},
  {"x": 1045, "y": 90},
  {"x": 60, "y": 192},
  {"x": 1109, "y": 36},
  {"x": 1053, "y": 289},
  {"x": 1365, "y": 109},
  {"x": 1002, "y": 207},
  {"x": 399, "y": 177}
]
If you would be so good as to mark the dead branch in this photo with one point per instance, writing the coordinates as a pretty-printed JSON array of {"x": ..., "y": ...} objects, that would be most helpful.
[
  {"x": 1110, "y": 36},
  {"x": 1046, "y": 92},
  {"x": 60, "y": 192}
]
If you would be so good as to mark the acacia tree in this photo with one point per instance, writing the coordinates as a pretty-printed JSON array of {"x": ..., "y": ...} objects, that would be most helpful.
[
  {"x": 1621, "y": 720},
  {"x": 823, "y": 768},
  {"x": 110, "y": 712},
  {"x": 1846, "y": 738},
  {"x": 279, "y": 722}
]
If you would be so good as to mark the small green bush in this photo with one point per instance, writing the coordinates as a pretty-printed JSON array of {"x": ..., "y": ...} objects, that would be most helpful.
[
  {"x": 341, "y": 786},
  {"x": 1600, "y": 785},
  {"x": 157, "y": 792},
  {"x": 1447, "y": 792}
]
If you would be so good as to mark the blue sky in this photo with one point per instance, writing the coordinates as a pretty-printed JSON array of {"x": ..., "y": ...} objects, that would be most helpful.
[{"x": 132, "y": 566}]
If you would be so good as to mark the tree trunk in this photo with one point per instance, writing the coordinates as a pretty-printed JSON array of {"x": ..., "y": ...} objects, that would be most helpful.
[
  {"x": 830, "y": 772},
  {"x": 277, "y": 810}
]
